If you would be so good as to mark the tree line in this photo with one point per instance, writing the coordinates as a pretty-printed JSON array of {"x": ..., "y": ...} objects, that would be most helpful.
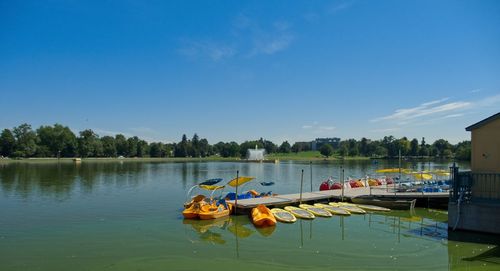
[
  {"x": 60, "y": 141},
  {"x": 391, "y": 147}
]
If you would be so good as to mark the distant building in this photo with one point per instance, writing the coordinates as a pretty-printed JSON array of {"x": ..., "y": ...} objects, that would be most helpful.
[
  {"x": 475, "y": 197},
  {"x": 318, "y": 142}
]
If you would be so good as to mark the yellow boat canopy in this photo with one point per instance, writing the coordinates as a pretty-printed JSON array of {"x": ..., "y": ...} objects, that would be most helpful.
[
  {"x": 239, "y": 181},
  {"x": 392, "y": 170},
  {"x": 422, "y": 176},
  {"x": 211, "y": 187}
]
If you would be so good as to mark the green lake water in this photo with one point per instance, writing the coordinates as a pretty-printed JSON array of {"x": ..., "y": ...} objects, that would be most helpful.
[{"x": 127, "y": 216}]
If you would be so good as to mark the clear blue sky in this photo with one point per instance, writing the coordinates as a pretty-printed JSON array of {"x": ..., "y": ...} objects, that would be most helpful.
[{"x": 238, "y": 70}]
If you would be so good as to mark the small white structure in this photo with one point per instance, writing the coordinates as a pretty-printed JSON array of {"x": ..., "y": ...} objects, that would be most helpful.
[{"x": 256, "y": 154}]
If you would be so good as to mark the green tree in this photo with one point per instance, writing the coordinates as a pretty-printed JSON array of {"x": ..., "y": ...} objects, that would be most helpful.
[
  {"x": 389, "y": 143},
  {"x": 7, "y": 143},
  {"x": 108, "y": 146},
  {"x": 380, "y": 151},
  {"x": 57, "y": 141},
  {"x": 26, "y": 140},
  {"x": 297, "y": 147},
  {"x": 364, "y": 147},
  {"x": 231, "y": 149},
  {"x": 326, "y": 150},
  {"x": 414, "y": 147},
  {"x": 121, "y": 144},
  {"x": 441, "y": 145},
  {"x": 132, "y": 146},
  {"x": 156, "y": 149},
  {"x": 269, "y": 146},
  {"x": 404, "y": 145},
  {"x": 89, "y": 144},
  {"x": 463, "y": 151},
  {"x": 182, "y": 148},
  {"x": 142, "y": 148},
  {"x": 204, "y": 148},
  {"x": 353, "y": 147},
  {"x": 194, "y": 150},
  {"x": 285, "y": 147}
]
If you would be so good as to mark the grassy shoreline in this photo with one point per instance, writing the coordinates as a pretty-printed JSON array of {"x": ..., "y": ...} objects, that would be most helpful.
[
  {"x": 301, "y": 156},
  {"x": 272, "y": 157}
]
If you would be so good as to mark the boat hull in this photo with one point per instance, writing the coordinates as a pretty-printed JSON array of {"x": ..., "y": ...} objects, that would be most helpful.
[
  {"x": 393, "y": 204},
  {"x": 263, "y": 217}
]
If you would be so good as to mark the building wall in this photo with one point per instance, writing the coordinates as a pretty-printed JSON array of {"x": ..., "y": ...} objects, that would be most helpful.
[
  {"x": 486, "y": 148},
  {"x": 474, "y": 217}
]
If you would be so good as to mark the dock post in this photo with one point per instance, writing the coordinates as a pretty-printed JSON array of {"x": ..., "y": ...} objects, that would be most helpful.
[
  {"x": 311, "y": 169},
  {"x": 301, "y": 182},
  {"x": 399, "y": 173},
  {"x": 343, "y": 184},
  {"x": 236, "y": 197}
]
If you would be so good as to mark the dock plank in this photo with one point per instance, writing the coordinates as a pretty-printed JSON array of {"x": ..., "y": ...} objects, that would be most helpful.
[{"x": 291, "y": 199}]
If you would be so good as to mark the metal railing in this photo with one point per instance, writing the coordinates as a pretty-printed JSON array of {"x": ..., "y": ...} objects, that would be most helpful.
[{"x": 475, "y": 186}]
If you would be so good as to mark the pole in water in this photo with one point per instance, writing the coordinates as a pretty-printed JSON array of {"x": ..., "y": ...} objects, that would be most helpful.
[
  {"x": 301, "y": 182},
  {"x": 399, "y": 170},
  {"x": 311, "y": 169},
  {"x": 343, "y": 184},
  {"x": 237, "y": 183}
]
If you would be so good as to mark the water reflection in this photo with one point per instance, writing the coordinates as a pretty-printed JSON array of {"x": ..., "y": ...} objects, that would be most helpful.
[{"x": 60, "y": 180}]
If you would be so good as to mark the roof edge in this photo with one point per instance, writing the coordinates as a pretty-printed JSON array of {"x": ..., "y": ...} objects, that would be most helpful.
[{"x": 483, "y": 122}]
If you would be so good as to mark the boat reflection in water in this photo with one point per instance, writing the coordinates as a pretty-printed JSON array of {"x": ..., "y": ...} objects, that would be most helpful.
[{"x": 405, "y": 237}]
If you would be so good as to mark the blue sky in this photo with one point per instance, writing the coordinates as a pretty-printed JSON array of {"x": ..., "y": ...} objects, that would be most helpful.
[{"x": 240, "y": 70}]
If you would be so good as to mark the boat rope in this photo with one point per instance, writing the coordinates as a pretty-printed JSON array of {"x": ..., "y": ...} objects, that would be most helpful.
[{"x": 459, "y": 200}]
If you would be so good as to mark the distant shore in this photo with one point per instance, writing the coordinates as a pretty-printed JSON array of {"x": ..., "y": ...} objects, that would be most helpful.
[{"x": 301, "y": 156}]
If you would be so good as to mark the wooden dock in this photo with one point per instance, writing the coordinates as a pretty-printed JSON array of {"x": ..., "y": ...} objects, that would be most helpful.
[{"x": 429, "y": 200}]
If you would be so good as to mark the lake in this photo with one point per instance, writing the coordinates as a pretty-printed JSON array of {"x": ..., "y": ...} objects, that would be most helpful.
[{"x": 127, "y": 216}]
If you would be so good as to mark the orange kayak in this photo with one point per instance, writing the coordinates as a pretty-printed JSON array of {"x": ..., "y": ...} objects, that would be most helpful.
[{"x": 262, "y": 216}]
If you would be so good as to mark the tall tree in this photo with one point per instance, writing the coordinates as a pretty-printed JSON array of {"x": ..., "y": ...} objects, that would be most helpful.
[
  {"x": 58, "y": 140},
  {"x": 326, "y": 150},
  {"x": 89, "y": 144},
  {"x": 182, "y": 148},
  {"x": 108, "y": 146},
  {"x": 25, "y": 140},
  {"x": 364, "y": 148},
  {"x": 142, "y": 148},
  {"x": 7, "y": 143},
  {"x": 194, "y": 150},
  {"x": 132, "y": 146},
  {"x": 414, "y": 147},
  {"x": 121, "y": 144},
  {"x": 285, "y": 147},
  {"x": 441, "y": 145}
]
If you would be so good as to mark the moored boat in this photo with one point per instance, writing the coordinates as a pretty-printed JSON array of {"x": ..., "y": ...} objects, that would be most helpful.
[
  {"x": 391, "y": 203},
  {"x": 300, "y": 213},
  {"x": 215, "y": 210},
  {"x": 332, "y": 209},
  {"x": 373, "y": 208},
  {"x": 193, "y": 208},
  {"x": 262, "y": 216},
  {"x": 283, "y": 215},
  {"x": 317, "y": 211},
  {"x": 351, "y": 208}
]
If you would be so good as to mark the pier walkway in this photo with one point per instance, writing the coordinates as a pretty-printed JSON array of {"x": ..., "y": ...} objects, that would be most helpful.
[{"x": 434, "y": 199}]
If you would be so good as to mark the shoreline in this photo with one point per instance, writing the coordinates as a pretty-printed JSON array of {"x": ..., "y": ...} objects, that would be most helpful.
[{"x": 272, "y": 159}]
